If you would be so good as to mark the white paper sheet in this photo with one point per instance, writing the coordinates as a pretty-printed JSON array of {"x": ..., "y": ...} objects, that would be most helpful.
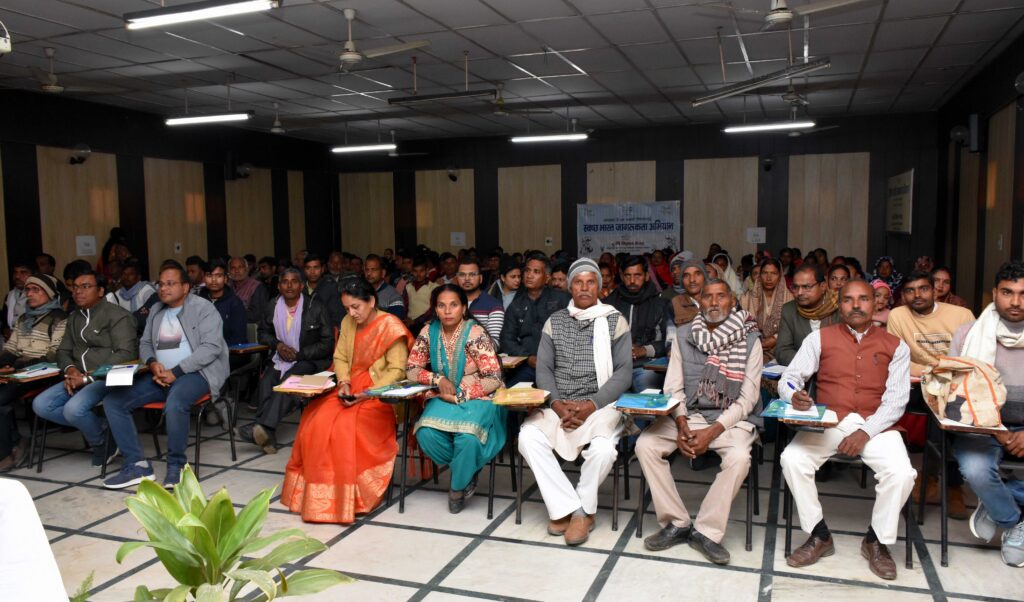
[
  {"x": 773, "y": 370},
  {"x": 121, "y": 375},
  {"x": 792, "y": 412},
  {"x": 406, "y": 391}
]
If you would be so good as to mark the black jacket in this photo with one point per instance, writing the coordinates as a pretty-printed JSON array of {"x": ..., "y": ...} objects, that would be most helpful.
[
  {"x": 647, "y": 313},
  {"x": 232, "y": 313},
  {"x": 316, "y": 343},
  {"x": 326, "y": 292},
  {"x": 525, "y": 318}
]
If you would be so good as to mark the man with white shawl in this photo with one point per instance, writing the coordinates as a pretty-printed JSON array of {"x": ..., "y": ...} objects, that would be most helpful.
[
  {"x": 997, "y": 338},
  {"x": 585, "y": 361}
]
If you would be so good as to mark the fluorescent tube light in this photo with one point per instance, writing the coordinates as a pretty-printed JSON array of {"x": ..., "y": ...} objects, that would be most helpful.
[
  {"x": 195, "y": 11},
  {"x": 408, "y": 100},
  {"x": 364, "y": 148},
  {"x": 551, "y": 137},
  {"x": 218, "y": 118},
  {"x": 768, "y": 127},
  {"x": 757, "y": 82}
]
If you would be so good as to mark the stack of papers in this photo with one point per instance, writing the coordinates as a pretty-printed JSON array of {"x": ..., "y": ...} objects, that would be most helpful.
[
  {"x": 312, "y": 382},
  {"x": 36, "y": 371},
  {"x": 121, "y": 375},
  {"x": 520, "y": 396},
  {"x": 646, "y": 403},
  {"x": 404, "y": 388},
  {"x": 773, "y": 371},
  {"x": 818, "y": 413}
]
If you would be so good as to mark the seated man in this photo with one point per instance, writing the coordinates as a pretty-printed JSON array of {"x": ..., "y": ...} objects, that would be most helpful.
[
  {"x": 584, "y": 361},
  {"x": 266, "y": 273},
  {"x": 320, "y": 289},
  {"x": 253, "y": 294},
  {"x": 335, "y": 268},
  {"x": 688, "y": 277},
  {"x": 134, "y": 291},
  {"x": 418, "y": 295},
  {"x": 97, "y": 333},
  {"x": 34, "y": 338},
  {"x": 298, "y": 331},
  {"x": 449, "y": 265},
  {"x": 196, "y": 268},
  {"x": 863, "y": 375},
  {"x": 559, "y": 276},
  {"x": 183, "y": 347},
  {"x": 487, "y": 310},
  {"x": 815, "y": 306},
  {"x": 388, "y": 299},
  {"x": 16, "y": 301},
  {"x": 526, "y": 315},
  {"x": 714, "y": 373},
  {"x": 229, "y": 306},
  {"x": 997, "y": 338},
  {"x": 640, "y": 302}
]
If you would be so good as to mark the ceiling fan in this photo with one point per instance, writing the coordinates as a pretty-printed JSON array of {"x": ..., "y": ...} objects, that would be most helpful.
[
  {"x": 351, "y": 56},
  {"x": 781, "y": 15},
  {"x": 48, "y": 80},
  {"x": 501, "y": 111}
]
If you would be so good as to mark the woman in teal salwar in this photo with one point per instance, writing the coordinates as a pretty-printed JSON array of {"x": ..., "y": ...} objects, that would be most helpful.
[{"x": 460, "y": 427}]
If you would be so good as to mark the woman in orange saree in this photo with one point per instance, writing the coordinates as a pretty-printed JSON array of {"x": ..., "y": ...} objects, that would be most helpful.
[{"x": 345, "y": 449}]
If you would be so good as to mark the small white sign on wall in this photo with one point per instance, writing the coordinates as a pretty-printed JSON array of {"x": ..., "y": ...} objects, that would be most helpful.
[
  {"x": 756, "y": 236},
  {"x": 458, "y": 239},
  {"x": 85, "y": 245}
]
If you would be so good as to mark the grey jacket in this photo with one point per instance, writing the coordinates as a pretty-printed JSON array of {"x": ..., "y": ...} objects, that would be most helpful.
[
  {"x": 793, "y": 329},
  {"x": 204, "y": 330}
]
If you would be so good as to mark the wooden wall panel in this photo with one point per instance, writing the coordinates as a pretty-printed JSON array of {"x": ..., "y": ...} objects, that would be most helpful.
[
  {"x": 828, "y": 203},
  {"x": 5, "y": 275},
  {"x": 1002, "y": 128},
  {"x": 529, "y": 207},
  {"x": 443, "y": 207},
  {"x": 296, "y": 212},
  {"x": 967, "y": 228},
  {"x": 250, "y": 210},
  {"x": 75, "y": 200},
  {"x": 621, "y": 182},
  {"x": 719, "y": 204},
  {"x": 175, "y": 211},
  {"x": 367, "y": 212}
]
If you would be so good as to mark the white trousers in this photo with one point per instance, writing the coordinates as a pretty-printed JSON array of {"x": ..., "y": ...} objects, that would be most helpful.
[
  {"x": 884, "y": 454},
  {"x": 559, "y": 495},
  {"x": 27, "y": 568}
]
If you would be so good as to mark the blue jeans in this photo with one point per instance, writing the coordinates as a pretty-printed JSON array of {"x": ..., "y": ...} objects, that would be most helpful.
[
  {"x": 647, "y": 379},
  {"x": 55, "y": 405},
  {"x": 179, "y": 398},
  {"x": 979, "y": 457}
]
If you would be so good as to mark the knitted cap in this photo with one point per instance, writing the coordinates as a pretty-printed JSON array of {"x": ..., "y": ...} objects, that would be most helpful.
[
  {"x": 584, "y": 264},
  {"x": 45, "y": 282}
]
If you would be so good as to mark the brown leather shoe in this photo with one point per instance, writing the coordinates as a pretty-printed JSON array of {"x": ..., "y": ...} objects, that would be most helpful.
[
  {"x": 579, "y": 530},
  {"x": 955, "y": 508},
  {"x": 7, "y": 464},
  {"x": 879, "y": 560},
  {"x": 558, "y": 526},
  {"x": 809, "y": 553},
  {"x": 931, "y": 491}
]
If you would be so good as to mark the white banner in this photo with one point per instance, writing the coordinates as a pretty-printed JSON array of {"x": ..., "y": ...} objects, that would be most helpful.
[{"x": 632, "y": 228}]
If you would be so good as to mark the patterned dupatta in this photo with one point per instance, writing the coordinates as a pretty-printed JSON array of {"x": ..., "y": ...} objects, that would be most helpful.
[
  {"x": 371, "y": 343},
  {"x": 455, "y": 368}
]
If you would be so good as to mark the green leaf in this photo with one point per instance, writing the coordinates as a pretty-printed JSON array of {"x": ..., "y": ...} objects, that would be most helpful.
[
  {"x": 191, "y": 520},
  {"x": 178, "y": 594},
  {"x": 261, "y": 579},
  {"x": 258, "y": 544},
  {"x": 189, "y": 493},
  {"x": 285, "y": 553},
  {"x": 130, "y": 546},
  {"x": 82, "y": 593},
  {"x": 178, "y": 555},
  {"x": 157, "y": 497},
  {"x": 247, "y": 525},
  {"x": 156, "y": 594},
  {"x": 219, "y": 515},
  {"x": 312, "y": 581},
  {"x": 208, "y": 592}
]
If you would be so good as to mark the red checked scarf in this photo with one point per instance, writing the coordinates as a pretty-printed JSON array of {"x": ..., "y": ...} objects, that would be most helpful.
[{"x": 726, "y": 347}]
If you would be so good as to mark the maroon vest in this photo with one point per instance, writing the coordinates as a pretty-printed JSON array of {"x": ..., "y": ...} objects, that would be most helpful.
[{"x": 852, "y": 376}]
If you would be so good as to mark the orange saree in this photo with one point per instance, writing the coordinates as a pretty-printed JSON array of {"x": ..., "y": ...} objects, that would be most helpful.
[{"x": 342, "y": 459}]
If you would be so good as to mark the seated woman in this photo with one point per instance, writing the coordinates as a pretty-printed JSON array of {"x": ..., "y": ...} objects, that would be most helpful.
[
  {"x": 459, "y": 427},
  {"x": 765, "y": 304},
  {"x": 345, "y": 449}
]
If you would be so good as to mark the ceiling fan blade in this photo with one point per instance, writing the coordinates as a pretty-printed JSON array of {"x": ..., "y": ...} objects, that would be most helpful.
[
  {"x": 729, "y": 6},
  {"x": 767, "y": 26},
  {"x": 386, "y": 50},
  {"x": 44, "y": 77},
  {"x": 824, "y": 5},
  {"x": 93, "y": 90},
  {"x": 529, "y": 111}
]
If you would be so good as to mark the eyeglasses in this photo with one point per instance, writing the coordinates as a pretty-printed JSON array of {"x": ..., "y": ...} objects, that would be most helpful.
[
  {"x": 805, "y": 287},
  {"x": 170, "y": 283},
  {"x": 468, "y": 274},
  {"x": 82, "y": 287}
]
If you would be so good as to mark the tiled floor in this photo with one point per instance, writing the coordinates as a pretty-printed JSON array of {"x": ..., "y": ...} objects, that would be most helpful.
[{"x": 427, "y": 554}]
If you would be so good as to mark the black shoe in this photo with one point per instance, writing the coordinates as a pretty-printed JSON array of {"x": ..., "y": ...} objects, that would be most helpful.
[
  {"x": 670, "y": 536},
  {"x": 471, "y": 488},
  {"x": 244, "y": 433},
  {"x": 711, "y": 550},
  {"x": 264, "y": 437},
  {"x": 100, "y": 455},
  {"x": 456, "y": 504}
]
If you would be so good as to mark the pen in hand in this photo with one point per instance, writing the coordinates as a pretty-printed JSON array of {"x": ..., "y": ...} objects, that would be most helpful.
[{"x": 800, "y": 400}]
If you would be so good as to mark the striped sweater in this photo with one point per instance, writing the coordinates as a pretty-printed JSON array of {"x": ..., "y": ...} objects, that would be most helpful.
[
  {"x": 490, "y": 313},
  {"x": 39, "y": 344}
]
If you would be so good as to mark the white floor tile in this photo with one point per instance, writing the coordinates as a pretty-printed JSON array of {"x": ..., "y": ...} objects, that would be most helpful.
[{"x": 636, "y": 579}]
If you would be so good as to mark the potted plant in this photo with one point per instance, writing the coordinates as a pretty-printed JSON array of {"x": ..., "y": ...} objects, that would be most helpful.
[{"x": 208, "y": 549}]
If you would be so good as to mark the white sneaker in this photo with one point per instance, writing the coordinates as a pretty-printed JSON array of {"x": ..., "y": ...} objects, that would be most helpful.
[
  {"x": 982, "y": 525},
  {"x": 1013, "y": 545}
]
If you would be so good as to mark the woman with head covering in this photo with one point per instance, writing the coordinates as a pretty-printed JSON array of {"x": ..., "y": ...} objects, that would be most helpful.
[
  {"x": 943, "y": 278},
  {"x": 883, "y": 303},
  {"x": 885, "y": 270},
  {"x": 728, "y": 273},
  {"x": 765, "y": 304}
]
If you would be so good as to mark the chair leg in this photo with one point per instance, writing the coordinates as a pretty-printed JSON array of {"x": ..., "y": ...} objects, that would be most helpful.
[
  {"x": 944, "y": 501},
  {"x": 625, "y": 454},
  {"x": 490, "y": 490},
  {"x": 42, "y": 448},
  {"x": 757, "y": 485},
  {"x": 788, "y": 505},
  {"x": 615, "y": 495},
  {"x": 513, "y": 445},
  {"x": 751, "y": 500},
  {"x": 923, "y": 492},
  {"x": 908, "y": 516},
  {"x": 640, "y": 506},
  {"x": 519, "y": 488},
  {"x": 864, "y": 476},
  {"x": 32, "y": 442},
  {"x": 199, "y": 437},
  {"x": 405, "y": 458}
]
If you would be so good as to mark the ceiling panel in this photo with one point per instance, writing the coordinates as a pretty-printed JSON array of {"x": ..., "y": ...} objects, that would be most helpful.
[
  {"x": 630, "y": 27},
  {"x": 908, "y": 33},
  {"x": 976, "y": 27},
  {"x": 464, "y": 13},
  {"x": 563, "y": 34}
]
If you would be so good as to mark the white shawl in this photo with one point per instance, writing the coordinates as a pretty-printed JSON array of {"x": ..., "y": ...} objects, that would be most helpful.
[
  {"x": 988, "y": 331},
  {"x": 602, "y": 341}
]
